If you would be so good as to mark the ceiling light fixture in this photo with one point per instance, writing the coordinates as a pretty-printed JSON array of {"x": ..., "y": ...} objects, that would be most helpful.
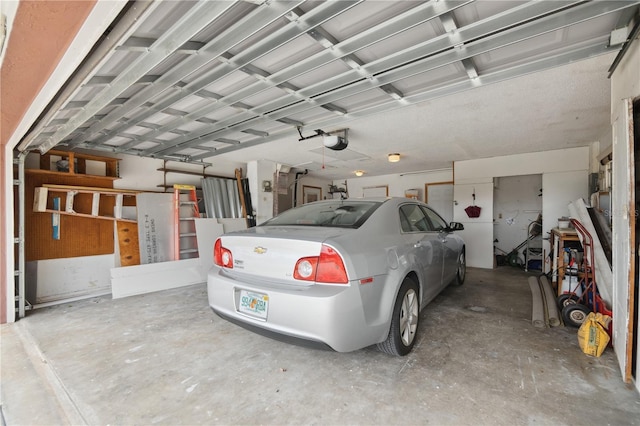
[
  {"x": 359, "y": 172},
  {"x": 393, "y": 158}
]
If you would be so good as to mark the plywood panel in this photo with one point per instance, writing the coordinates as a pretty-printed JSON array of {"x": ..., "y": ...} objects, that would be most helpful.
[
  {"x": 128, "y": 243},
  {"x": 78, "y": 236}
]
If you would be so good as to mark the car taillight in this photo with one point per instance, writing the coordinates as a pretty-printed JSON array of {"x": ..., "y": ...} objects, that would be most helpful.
[
  {"x": 326, "y": 268},
  {"x": 222, "y": 256}
]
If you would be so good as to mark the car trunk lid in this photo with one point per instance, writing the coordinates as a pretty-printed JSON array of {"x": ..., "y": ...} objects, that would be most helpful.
[{"x": 273, "y": 256}]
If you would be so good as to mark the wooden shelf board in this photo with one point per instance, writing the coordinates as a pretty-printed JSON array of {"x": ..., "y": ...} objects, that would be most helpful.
[
  {"x": 80, "y": 155},
  {"x": 91, "y": 189},
  {"x": 190, "y": 172},
  {"x": 87, "y": 215},
  {"x": 53, "y": 173}
]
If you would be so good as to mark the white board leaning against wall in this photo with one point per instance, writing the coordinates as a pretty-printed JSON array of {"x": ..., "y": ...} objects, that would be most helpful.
[
  {"x": 439, "y": 196},
  {"x": 375, "y": 191}
]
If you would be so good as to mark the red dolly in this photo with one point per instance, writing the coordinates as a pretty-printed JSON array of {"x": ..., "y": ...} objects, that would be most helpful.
[{"x": 575, "y": 307}]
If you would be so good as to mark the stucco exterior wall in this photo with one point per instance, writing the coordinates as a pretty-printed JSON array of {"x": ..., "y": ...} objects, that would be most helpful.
[{"x": 40, "y": 35}]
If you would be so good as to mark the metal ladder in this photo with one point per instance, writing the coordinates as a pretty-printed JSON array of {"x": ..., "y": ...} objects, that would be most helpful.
[{"x": 185, "y": 210}]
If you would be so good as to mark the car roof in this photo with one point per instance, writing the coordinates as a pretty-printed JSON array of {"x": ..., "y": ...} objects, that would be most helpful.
[
  {"x": 378, "y": 199},
  {"x": 394, "y": 200}
]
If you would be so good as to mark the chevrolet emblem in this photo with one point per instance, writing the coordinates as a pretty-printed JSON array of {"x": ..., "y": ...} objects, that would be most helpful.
[{"x": 260, "y": 250}]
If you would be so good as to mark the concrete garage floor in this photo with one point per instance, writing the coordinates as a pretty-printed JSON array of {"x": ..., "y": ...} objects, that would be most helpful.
[{"x": 165, "y": 358}]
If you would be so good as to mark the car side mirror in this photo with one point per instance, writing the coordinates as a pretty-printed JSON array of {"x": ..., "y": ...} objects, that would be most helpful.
[{"x": 456, "y": 226}]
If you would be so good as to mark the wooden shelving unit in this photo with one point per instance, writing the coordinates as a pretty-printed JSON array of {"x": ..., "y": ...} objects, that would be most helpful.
[
  {"x": 559, "y": 238},
  {"x": 166, "y": 170},
  {"x": 79, "y": 233},
  {"x": 76, "y": 163}
]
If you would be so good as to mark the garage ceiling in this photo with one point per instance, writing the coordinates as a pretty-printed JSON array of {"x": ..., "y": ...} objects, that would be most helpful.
[{"x": 436, "y": 81}]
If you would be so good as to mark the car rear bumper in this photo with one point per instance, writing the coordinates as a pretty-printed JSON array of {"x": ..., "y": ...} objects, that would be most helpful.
[
  {"x": 275, "y": 335},
  {"x": 318, "y": 315}
]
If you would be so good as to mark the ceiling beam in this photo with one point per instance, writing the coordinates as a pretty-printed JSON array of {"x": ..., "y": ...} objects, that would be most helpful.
[
  {"x": 197, "y": 18},
  {"x": 328, "y": 41},
  {"x": 444, "y": 90},
  {"x": 218, "y": 47},
  {"x": 388, "y": 71},
  {"x": 345, "y": 82},
  {"x": 134, "y": 13},
  {"x": 451, "y": 26},
  {"x": 244, "y": 28},
  {"x": 407, "y": 20}
]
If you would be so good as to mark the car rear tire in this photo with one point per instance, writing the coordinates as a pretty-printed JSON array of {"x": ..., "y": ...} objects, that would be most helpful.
[
  {"x": 461, "y": 273},
  {"x": 404, "y": 323}
]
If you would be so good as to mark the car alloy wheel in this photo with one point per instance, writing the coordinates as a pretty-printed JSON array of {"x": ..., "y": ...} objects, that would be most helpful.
[
  {"x": 409, "y": 317},
  {"x": 405, "y": 320},
  {"x": 461, "y": 273}
]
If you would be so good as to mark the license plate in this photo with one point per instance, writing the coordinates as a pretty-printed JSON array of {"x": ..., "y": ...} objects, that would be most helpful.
[{"x": 254, "y": 304}]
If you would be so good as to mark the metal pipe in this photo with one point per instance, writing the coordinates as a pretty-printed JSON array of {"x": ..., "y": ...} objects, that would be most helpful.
[
  {"x": 627, "y": 44},
  {"x": 21, "y": 224},
  {"x": 295, "y": 187}
]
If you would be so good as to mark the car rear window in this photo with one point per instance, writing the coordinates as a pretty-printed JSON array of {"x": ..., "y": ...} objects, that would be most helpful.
[{"x": 340, "y": 213}]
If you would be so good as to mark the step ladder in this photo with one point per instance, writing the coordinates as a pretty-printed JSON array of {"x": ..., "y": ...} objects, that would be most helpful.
[
  {"x": 74, "y": 201},
  {"x": 185, "y": 210}
]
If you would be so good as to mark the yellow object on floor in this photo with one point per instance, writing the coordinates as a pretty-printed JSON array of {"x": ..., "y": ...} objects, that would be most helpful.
[{"x": 592, "y": 334}]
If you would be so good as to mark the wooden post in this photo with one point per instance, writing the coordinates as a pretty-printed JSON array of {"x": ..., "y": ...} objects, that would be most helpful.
[{"x": 241, "y": 192}]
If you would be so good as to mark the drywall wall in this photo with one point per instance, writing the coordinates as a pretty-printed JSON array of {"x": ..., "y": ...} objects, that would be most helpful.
[
  {"x": 143, "y": 174},
  {"x": 46, "y": 63},
  {"x": 140, "y": 279},
  {"x": 261, "y": 200},
  {"x": 59, "y": 279},
  {"x": 208, "y": 230},
  {"x": 561, "y": 189},
  {"x": 478, "y": 231},
  {"x": 397, "y": 183},
  {"x": 306, "y": 180},
  {"x": 517, "y": 202},
  {"x": 523, "y": 164},
  {"x": 261, "y": 170},
  {"x": 625, "y": 87},
  {"x": 479, "y": 174},
  {"x": 85, "y": 276},
  {"x": 155, "y": 227}
]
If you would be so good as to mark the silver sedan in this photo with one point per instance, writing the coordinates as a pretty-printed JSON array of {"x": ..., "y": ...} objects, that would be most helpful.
[{"x": 342, "y": 274}]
